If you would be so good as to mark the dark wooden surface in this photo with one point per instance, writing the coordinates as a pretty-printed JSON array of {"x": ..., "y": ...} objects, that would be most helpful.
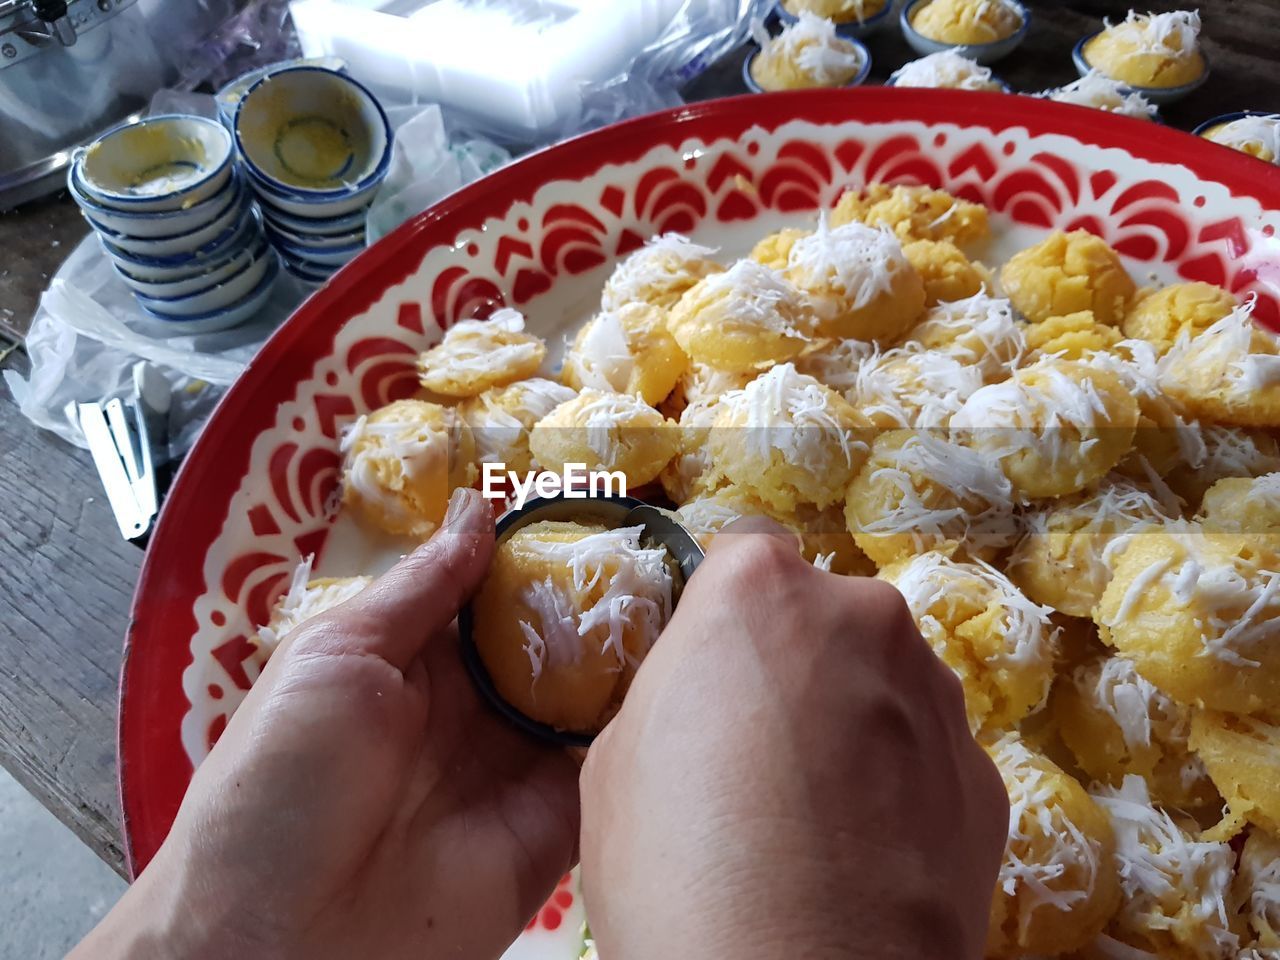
[
  {"x": 65, "y": 575},
  {"x": 65, "y": 582},
  {"x": 35, "y": 238}
]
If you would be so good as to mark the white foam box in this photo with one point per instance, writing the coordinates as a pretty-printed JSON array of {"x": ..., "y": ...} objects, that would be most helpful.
[{"x": 516, "y": 65}]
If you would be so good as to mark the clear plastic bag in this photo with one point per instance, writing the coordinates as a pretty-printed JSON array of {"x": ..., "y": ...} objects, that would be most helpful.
[
  {"x": 259, "y": 34},
  {"x": 88, "y": 333},
  {"x": 426, "y": 166},
  {"x": 700, "y": 33}
]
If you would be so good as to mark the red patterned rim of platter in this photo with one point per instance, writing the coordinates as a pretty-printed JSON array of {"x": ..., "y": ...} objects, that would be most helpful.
[{"x": 154, "y": 767}]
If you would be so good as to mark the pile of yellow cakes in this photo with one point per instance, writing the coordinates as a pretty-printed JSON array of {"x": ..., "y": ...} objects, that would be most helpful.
[
  {"x": 1072, "y": 481},
  {"x": 1130, "y": 67}
]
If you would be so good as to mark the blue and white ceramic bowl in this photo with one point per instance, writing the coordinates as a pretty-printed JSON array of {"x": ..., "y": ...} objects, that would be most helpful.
[
  {"x": 226, "y": 317},
  {"x": 849, "y": 28},
  {"x": 229, "y": 97},
  {"x": 1160, "y": 96},
  {"x": 281, "y": 236},
  {"x": 199, "y": 277},
  {"x": 180, "y": 243},
  {"x": 313, "y": 141},
  {"x": 306, "y": 269},
  {"x": 160, "y": 223},
  {"x": 321, "y": 258},
  {"x": 166, "y": 162},
  {"x": 219, "y": 295},
  {"x": 245, "y": 233},
  {"x": 984, "y": 53},
  {"x": 311, "y": 226},
  {"x": 750, "y": 82}
]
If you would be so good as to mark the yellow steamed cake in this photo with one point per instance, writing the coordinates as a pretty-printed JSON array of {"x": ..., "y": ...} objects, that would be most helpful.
[
  {"x": 1158, "y": 50},
  {"x": 501, "y": 418},
  {"x": 788, "y": 440},
  {"x": 565, "y": 615},
  {"x": 859, "y": 280},
  {"x": 401, "y": 463},
  {"x": 980, "y": 330},
  {"x": 948, "y": 275},
  {"x": 606, "y": 431},
  {"x": 967, "y": 22},
  {"x": 1161, "y": 316},
  {"x": 1055, "y": 426},
  {"x": 746, "y": 318},
  {"x": 1056, "y": 889},
  {"x": 478, "y": 354},
  {"x": 914, "y": 213},
  {"x": 1066, "y": 273},
  {"x": 658, "y": 273},
  {"x": 1242, "y": 755},
  {"x": 1117, "y": 723},
  {"x": 1064, "y": 560},
  {"x": 1256, "y": 135},
  {"x": 1199, "y": 615},
  {"x": 1175, "y": 888},
  {"x": 628, "y": 350},
  {"x": 996, "y": 640},
  {"x": 919, "y": 492},
  {"x": 841, "y": 11},
  {"x": 807, "y": 54}
]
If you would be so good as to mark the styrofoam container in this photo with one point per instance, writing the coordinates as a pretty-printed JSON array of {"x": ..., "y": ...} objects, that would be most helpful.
[
  {"x": 225, "y": 318},
  {"x": 166, "y": 162},
  {"x": 176, "y": 244},
  {"x": 159, "y": 223},
  {"x": 218, "y": 296},
  {"x": 204, "y": 278},
  {"x": 984, "y": 53},
  {"x": 519, "y": 68},
  {"x": 312, "y": 136}
]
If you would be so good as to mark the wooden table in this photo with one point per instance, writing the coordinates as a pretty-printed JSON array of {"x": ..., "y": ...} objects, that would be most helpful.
[{"x": 66, "y": 577}]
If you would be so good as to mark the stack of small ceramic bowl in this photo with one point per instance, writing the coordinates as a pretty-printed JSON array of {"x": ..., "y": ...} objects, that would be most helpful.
[
  {"x": 177, "y": 221},
  {"x": 314, "y": 146}
]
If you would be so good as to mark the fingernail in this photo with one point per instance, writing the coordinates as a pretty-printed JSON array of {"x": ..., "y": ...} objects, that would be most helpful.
[{"x": 459, "y": 503}]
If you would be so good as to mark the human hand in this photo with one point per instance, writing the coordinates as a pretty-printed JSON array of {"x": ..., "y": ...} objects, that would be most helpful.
[
  {"x": 791, "y": 775},
  {"x": 363, "y": 801}
]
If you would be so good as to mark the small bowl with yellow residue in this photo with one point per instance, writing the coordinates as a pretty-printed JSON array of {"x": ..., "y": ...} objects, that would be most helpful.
[
  {"x": 163, "y": 163},
  {"x": 313, "y": 142}
]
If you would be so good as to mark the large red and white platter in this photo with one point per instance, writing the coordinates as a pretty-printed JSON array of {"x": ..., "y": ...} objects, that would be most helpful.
[{"x": 255, "y": 495}]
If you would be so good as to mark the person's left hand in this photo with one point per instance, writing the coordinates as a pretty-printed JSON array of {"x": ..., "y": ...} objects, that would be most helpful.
[{"x": 363, "y": 801}]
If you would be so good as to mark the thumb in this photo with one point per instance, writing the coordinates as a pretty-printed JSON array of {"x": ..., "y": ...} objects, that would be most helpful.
[{"x": 396, "y": 614}]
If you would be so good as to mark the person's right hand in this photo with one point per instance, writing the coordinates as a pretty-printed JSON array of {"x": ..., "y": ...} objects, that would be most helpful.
[{"x": 791, "y": 775}]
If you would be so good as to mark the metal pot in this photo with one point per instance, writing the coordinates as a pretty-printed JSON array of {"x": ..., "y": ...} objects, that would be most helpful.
[{"x": 70, "y": 69}]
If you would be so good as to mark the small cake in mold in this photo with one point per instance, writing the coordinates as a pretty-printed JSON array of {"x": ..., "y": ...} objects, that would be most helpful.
[{"x": 1156, "y": 50}]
